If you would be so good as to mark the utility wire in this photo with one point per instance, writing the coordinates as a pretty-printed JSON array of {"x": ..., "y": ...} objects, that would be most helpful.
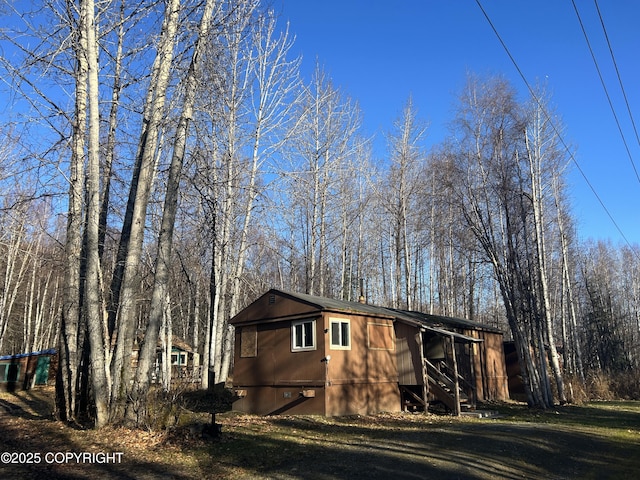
[
  {"x": 615, "y": 65},
  {"x": 606, "y": 92},
  {"x": 553, "y": 125}
]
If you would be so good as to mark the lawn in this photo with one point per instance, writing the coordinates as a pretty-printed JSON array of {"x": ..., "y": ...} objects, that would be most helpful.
[{"x": 593, "y": 441}]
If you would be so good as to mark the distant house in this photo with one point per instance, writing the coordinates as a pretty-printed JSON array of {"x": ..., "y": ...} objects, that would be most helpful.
[
  {"x": 24, "y": 370},
  {"x": 304, "y": 354},
  {"x": 184, "y": 361}
]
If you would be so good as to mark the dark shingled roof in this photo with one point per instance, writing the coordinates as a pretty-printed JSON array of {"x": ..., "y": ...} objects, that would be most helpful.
[{"x": 415, "y": 318}]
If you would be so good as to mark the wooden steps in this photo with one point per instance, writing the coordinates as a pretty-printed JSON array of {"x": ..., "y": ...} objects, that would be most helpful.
[{"x": 444, "y": 388}]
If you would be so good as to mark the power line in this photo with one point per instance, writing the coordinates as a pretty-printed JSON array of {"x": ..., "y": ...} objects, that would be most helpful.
[
  {"x": 615, "y": 65},
  {"x": 553, "y": 126},
  {"x": 606, "y": 91}
]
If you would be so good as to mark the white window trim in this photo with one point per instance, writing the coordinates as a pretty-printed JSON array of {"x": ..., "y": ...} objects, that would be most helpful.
[
  {"x": 181, "y": 358},
  {"x": 340, "y": 321},
  {"x": 295, "y": 348}
]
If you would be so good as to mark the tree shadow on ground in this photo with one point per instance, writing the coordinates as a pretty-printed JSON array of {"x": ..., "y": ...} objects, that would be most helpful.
[
  {"x": 27, "y": 405},
  {"x": 313, "y": 448},
  {"x": 36, "y": 447}
]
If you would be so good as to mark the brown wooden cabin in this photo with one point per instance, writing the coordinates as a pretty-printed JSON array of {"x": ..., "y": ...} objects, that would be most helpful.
[
  {"x": 304, "y": 354},
  {"x": 185, "y": 362},
  {"x": 24, "y": 370}
]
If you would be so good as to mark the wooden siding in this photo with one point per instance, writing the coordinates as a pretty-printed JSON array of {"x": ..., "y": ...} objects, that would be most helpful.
[
  {"x": 380, "y": 336},
  {"x": 357, "y": 379},
  {"x": 408, "y": 354},
  {"x": 362, "y": 380},
  {"x": 286, "y": 400},
  {"x": 275, "y": 363},
  {"x": 361, "y": 377},
  {"x": 489, "y": 364},
  {"x": 362, "y": 398},
  {"x": 273, "y": 306}
]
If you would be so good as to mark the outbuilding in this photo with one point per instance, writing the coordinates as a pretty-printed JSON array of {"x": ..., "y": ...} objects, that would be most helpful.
[
  {"x": 304, "y": 354},
  {"x": 24, "y": 370}
]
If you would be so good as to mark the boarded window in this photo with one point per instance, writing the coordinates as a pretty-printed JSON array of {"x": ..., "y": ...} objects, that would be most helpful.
[
  {"x": 380, "y": 336},
  {"x": 249, "y": 341}
]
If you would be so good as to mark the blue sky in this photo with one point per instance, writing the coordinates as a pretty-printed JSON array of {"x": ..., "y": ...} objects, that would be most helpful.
[{"x": 380, "y": 52}]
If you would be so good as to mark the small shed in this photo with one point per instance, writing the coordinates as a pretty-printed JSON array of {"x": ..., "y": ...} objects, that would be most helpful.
[
  {"x": 304, "y": 354},
  {"x": 23, "y": 371}
]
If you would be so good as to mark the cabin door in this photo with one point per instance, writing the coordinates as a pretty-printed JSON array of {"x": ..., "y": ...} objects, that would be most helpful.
[{"x": 42, "y": 370}]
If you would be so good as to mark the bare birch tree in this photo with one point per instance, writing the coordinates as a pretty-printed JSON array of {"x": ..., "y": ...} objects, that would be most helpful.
[
  {"x": 124, "y": 282},
  {"x": 494, "y": 198},
  {"x": 354, "y": 197},
  {"x": 247, "y": 109},
  {"x": 606, "y": 312},
  {"x": 572, "y": 343},
  {"x": 545, "y": 158},
  {"x": 322, "y": 142},
  {"x": 165, "y": 241},
  {"x": 14, "y": 267},
  {"x": 402, "y": 196},
  {"x": 92, "y": 290},
  {"x": 69, "y": 355}
]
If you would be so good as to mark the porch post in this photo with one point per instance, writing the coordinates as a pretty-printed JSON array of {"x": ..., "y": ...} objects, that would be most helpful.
[
  {"x": 425, "y": 376},
  {"x": 456, "y": 382}
]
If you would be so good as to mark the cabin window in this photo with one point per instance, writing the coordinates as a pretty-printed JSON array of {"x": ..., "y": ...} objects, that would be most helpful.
[
  {"x": 303, "y": 335},
  {"x": 179, "y": 358},
  {"x": 340, "y": 334}
]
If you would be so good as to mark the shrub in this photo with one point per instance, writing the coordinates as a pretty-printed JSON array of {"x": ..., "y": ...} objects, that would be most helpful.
[
  {"x": 603, "y": 385},
  {"x": 599, "y": 386},
  {"x": 165, "y": 407}
]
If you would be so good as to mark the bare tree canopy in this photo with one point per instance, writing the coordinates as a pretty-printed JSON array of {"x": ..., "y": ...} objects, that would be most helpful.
[{"x": 164, "y": 163}]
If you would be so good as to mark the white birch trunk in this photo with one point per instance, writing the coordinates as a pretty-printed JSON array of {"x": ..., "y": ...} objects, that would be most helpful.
[
  {"x": 124, "y": 287},
  {"x": 572, "y": 335},
  {"x": 165, "y": 240},
  {"x": 69, "y": 357},
  {"x": 535, "y": 160},
  {"x": 28, "y": 339},
  {"x": 100, "y": 381}
]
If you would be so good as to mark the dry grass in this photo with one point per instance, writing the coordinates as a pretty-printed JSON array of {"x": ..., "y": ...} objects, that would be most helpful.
[{"x": 596, "y": 440}]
